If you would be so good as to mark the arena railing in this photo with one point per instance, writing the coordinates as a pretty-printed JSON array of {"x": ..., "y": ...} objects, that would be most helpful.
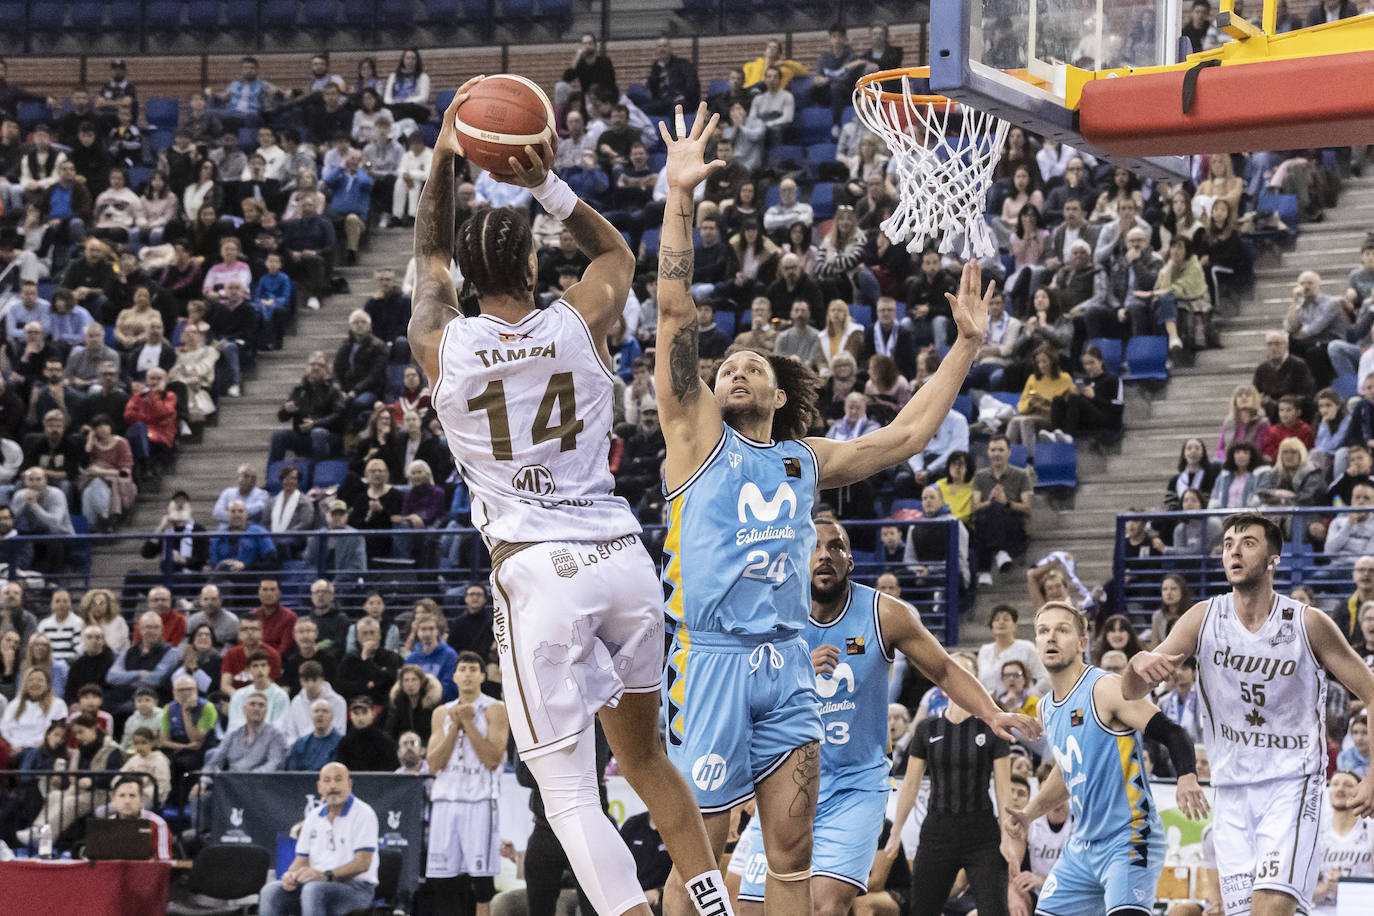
[
  {"x": 442, "y": 563},
  {"x": 1135, "y": 580}
]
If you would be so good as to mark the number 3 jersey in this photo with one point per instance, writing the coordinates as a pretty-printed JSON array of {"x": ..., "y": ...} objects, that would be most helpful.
[
  {"x": 737, "y": 558},
  {"x": 526, "y": 408},
  {"x": 1263, "y": 695}
]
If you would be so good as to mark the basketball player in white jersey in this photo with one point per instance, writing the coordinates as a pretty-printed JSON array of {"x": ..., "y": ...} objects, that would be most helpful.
[
  {"x": 1347, "y": 844},
  {"x": 1045, "y": 840},
  {"x": 467, "y": 745},
  {"x": 1262, "y": 663},
  {"x": 524, "y": 397}
]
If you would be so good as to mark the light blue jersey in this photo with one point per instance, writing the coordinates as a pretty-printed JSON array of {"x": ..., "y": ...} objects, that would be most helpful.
[
  {"x": 1113, "y": 861},
  {"x": 740, "y": 538},
  {"x": 853, "y": 696}
]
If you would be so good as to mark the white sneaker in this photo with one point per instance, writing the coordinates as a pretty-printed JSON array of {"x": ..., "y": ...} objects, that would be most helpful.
[
  {"x": 1063, "y": 437},
  {"x": 234, "y": 391},
  {"x": 1002, "y": 561},
  {"x": 23, "y": 836},
  {"x": 985, "y": 578},
  {"x": 1046, "y": 435},
  {"x": 184, "y": 428},
  {"x": 312, "y": 303},
  {"x": 384, "y": 222}
]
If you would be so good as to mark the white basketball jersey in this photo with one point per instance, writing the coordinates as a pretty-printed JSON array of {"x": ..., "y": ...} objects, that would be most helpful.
[
  {"x": 526, "y": 408},
  {"x": 1349, "y": 856},
  {"x": 1045, "y": 845},
  {"x": 465, "y": 777},
  {"x": 1263, "y": 696}
]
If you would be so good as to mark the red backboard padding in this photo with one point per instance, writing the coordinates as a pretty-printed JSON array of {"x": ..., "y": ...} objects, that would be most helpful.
[{"x": 1271, "y": 105}]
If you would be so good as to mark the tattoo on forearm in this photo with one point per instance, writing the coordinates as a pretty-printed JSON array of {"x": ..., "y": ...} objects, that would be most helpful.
[
  {"x": 686, "y": 216},
  {"x": 682, "y": 364},
  {"x": 805, "y": 775},
  {"x": 676, "y": 264},
  {"x": 434, "y": 215}
]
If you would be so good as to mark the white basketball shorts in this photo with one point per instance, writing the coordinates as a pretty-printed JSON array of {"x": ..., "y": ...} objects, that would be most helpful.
[
  {"x": 1266, "y": 837},
  {"x": 464, "y": 839},
  {"x": 577, "y": 624}
]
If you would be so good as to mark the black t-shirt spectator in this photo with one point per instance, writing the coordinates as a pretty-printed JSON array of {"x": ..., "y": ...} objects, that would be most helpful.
[
  {"x": 371, "y": 676},
  {"x": 367, "y": 750},
  {"x": 390, "y": 314},
  {"x": 959, "y": 759},
  {"x": 599, "y": 71},
  {"x": 291, "y": 668},
  {"x": 472, "y": 632},
  {"x": 552, "y": 259},
  {"x": 715, "y": 263},
  {"x": 652, "y": 862},
  {"x": 65, "y": 456}
]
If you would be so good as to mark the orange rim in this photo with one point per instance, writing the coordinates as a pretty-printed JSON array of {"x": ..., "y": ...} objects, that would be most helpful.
[{"x": 866, "y": 82}]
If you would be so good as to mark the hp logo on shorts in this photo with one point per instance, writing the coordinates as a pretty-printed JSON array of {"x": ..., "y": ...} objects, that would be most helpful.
[{"x": 709, "y": 772}]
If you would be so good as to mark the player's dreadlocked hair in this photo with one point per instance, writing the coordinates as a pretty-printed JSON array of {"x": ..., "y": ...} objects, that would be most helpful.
[{"x": 493, "y": 252}]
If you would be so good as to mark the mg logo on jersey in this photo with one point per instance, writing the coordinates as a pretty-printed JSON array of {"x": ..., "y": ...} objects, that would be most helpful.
[
  {"x": 766, "y": 510},
  {"x": 828, "y": 686},
  {"x": 709, "y": 772},
  {"x": 534, "y": 478}
]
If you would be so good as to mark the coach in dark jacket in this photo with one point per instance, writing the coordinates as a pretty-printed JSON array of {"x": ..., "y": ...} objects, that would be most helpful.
[{"x": 315, "y": 411}]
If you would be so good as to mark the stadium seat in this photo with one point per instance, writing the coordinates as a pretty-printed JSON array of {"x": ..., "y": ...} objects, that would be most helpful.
[
  {"x": 47, "y": 17},
  {"x": 1147, "y": 359},
  {"x": 31, "y": 114},
  {"x": 904, "y": 505},
  {"x": 359, "y": 14},
  {"x": 272, "y": 479},
  {"x": 14, "y": 11},
  {"x": 329, "y": 473},
  {"x": 725, "y": 322},
  {"x": 248, "y": 138},
  {"x": 1018, "y": 456},
  {"x": 241, "y": 14},
  {"x": 163, "y": 16},
  {"x": 863, "y": 314},
  {"x": 813, "y": 125},
  {"x": 771, "y": 198},
  {"x": 649, "y": 239},
  {"x": 279, "y": 14},
  {"x": 517, "y": 10},
  {"x": 801, "y": 88},
  {"x": 202, "y": 14},
  {"x": 1347, "y": 386},
  {"x": 963, "y": 403},
  {"x": 786, "y": 152},
  {"x": 395, "y": 14},
  {"x": 87, "y": 15},
  {"x": 320, "y": 15},
  {"x": 138, "y": 176},
  {"x": 1056, "y": 465},
  {"x": 79, "y": 549},
  {"x": 639, "y": 93},
  {"x": 823, "y": 201},
  {"x": 1111, "y": 352},
  {"x": 717, "y": 86},
  {"x": 477, "y": 11},
  {"x": 162, "y": 113},
  {"x": 1011, "y": 398},
  {"x": 440, "y": 12}
]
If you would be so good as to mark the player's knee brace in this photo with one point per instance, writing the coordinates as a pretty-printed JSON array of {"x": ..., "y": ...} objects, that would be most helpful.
[{"x": 599, "y": 858}]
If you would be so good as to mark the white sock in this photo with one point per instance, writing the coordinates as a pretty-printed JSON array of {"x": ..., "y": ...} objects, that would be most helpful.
[{"x": 708, "y": 894}]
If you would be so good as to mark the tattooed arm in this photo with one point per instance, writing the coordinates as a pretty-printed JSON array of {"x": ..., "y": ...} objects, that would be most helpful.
[
  {"x": 434, "y": 303},
  {"x": 687, "y": 411}
]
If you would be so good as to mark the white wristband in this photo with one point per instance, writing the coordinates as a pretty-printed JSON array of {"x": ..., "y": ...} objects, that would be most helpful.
[{"x": 555, "y": 197}]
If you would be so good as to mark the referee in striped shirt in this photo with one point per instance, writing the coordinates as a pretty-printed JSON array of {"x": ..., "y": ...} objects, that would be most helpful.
[{"x": 964, "y": 758}]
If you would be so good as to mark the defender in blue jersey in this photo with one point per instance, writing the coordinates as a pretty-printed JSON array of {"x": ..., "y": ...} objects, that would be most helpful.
[
  {"x": 743, "y": 714},
  {"x": 856, "y": 632},
  {"x": 1113, "y": 861}
]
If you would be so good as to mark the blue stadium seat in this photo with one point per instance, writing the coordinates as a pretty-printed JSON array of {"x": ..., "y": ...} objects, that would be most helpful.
[
  {"x": 725, "y": 322},
  {"x": 87, "y": 15},
  {"x": 963, "y": 403},
  {"x": 558, "y": 11},
  {"x": 649, "y": 239},
  {"x": 329, "y": 473},
  {"x": 1147, "y": 359},
  {"x": 441, "y": 12},
  {"x": 162, "y": 113},
  {"x": 824, "y": 151},
  {"x": 279, "y": 14},
  {"x": 395, "y": 14},
  {"x": 138, "y": 176},
  {"x": 164, "y": 16},
  {"x": 786, "y": 152},
  {"x": 31, "y": 114},
  {"x": 863, "y": 314},
  {"x": 272, "y": 479},
  {"x": 1056, "y": 464},
  {"x": 241, "y": 14},
  {"x": 477, "y": 11},
  {"x": 442, "y": 99},
  {"x": 717, "y": 86},
  {"x": 47, "y": 17},
  {"x": 771, "y": 198},
  {"x": 79, "y": 548},
  {"x": 520, "y": 10},
  {"x": 1018, "y": 456},
  {"x": 358, "y": 13},
  {"x": 202, "y": 14},
  {"x": 813, "y": 125},
  {"x": 801, "y": 88},
  {"x": 639, "y": 93},
  {"x": 248, "y": 138},
  {"x": 13, "y": 11},
  {"x": 430, "y": 132},
  {"x": 823, "y": 201},
  {"x": 320, "y": 15},
  {"x": 901, "y": 310},
  {"x": 1011, "y": 398},
  {"x": 1111, "y": 352},
  {"x": 1347, "y": 386},
  {"x": 908, "y": 505}
]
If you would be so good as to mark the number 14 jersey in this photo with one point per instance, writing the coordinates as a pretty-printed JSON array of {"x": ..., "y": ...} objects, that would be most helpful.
[{"x": 526, "y": 408}]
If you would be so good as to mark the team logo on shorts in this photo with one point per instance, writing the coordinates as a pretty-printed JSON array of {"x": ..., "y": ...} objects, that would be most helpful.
[
  {"x": 709, "y": 772},
  {"x": 564, "y": 563}
]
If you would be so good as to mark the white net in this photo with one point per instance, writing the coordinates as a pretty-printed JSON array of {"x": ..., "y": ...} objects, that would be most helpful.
[{"x": 944, "y": 169}]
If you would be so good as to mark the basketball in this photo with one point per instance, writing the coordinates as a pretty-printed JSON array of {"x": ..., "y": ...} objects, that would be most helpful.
[{"x": 502, "y": 115}]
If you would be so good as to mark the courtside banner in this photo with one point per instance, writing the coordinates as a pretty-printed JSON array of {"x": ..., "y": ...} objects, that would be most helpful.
[{"x": 252, "y": 808}]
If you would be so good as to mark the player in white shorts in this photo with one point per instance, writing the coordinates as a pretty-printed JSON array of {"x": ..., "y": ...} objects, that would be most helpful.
[
  {"x": 1347, "y": 844},
  {"x": 524, "y": 396},
  {"x": 1262, "y": 662},
  {"x": 467, "y": 745}
]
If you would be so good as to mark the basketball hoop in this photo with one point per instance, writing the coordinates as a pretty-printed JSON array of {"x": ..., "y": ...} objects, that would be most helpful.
[{"x": 943, "y": 154}]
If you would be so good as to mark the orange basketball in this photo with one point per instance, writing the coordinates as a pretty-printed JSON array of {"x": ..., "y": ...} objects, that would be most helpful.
[{"x": 501, "y": 116}]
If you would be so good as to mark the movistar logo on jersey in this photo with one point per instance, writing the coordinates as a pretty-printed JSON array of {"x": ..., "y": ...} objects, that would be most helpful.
[
  {"x": 752, "y": 503},
  {"x": 827, "y": 686},
  {"x": 765, "y": 510}
]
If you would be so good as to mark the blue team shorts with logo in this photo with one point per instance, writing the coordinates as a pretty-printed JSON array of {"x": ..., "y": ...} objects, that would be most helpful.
[
  {"x": 736, "y": 708},
  {"x": 1092, "y": 878},
  {"x": 848, "y": 824}
]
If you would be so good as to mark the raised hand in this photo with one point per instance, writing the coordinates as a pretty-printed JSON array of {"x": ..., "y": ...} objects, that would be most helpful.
[
  {"x": 970, "y": 307},
  {"x": 687, "y": 167},
  {"x": 530, "y": 174},
  {"x": 449, "y": 138},
  {"x": 1154, "y": 667}
]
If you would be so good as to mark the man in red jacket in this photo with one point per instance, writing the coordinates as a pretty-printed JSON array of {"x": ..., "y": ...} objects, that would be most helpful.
[{"x": 152, "y": 417}]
